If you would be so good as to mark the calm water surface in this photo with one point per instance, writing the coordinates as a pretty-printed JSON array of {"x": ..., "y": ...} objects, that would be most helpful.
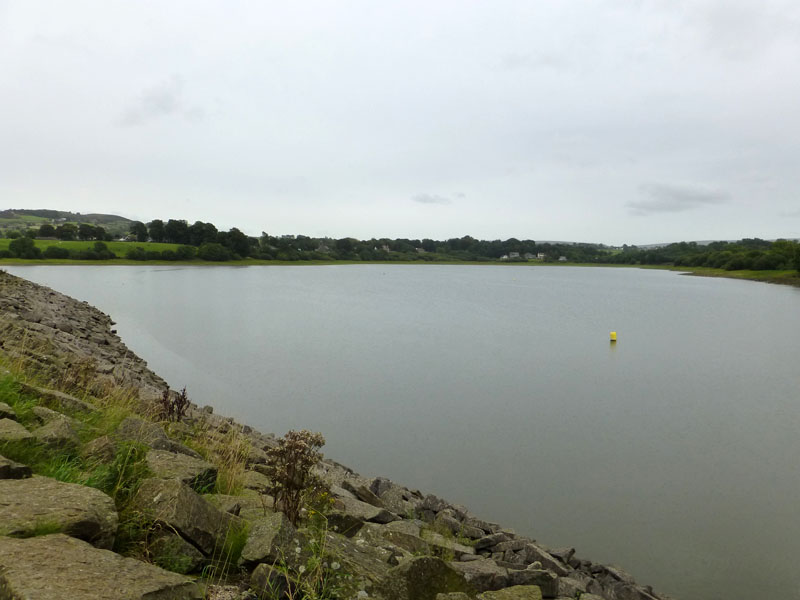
[{"x": 673, "y": 453}]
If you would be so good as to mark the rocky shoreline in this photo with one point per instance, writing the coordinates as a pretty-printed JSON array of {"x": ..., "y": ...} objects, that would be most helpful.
[{"x": 380, "y": 539}]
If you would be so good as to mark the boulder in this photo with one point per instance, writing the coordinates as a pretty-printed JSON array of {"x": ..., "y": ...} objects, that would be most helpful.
[
  {"x": 29, "y": 505},
  {"x": 491, "y": 540},
  {"x": 273, "y": 539},
  {"x": 534, "y": 553},
  {"x": 58, "y": 566},
  {"x": 194, "y": 472},
  {"x": 6, "y": 412},
  {"x": 517, "y": 592},
  {"x": 484, "y": 575},
  {"x": 171, "y": 552},
  {"x": 410, "y": 543},
  {"x": 58, "y": 434},
  {"x": 45, "y": 415},
  {"x": 344, "y": 523},
  {"x": 253, "y": 480},
  {"x": 102, "y": 449},
  {"x": 445, "y": 547},
  {"x": 364, "y": 511},
  {"x": 268, "y": 582},
  {"x": 361, "y": 492},
  {"x": 134, "y": 429},
  {"x": 13, "y": 470},
  {"x": 11, "y": 431},
  {"x": 175, "y": 505},
  {"x": 61, "y": 400},
  {"x": 547, "y": 581},
  {"x": 421, "y": 579}
]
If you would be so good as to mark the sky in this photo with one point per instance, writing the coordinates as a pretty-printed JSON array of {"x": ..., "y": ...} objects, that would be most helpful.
[{"x": 603, "y": 121}]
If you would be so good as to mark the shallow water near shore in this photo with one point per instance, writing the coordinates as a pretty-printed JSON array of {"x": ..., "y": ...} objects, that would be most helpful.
[{"x": 672, "y": 453}]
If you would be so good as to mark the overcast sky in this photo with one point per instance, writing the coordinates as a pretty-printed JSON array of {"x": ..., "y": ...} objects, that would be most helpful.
[{"x": 599, "y": 121}]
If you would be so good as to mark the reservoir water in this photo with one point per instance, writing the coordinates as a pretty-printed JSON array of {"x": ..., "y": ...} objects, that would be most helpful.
[{"x": 673, "y": 453}]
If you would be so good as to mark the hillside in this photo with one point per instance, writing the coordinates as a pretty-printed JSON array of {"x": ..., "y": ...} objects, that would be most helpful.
[{"x": 23, "y": 218}]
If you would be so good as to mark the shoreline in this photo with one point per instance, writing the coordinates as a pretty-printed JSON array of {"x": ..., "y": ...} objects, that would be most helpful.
[{"x": 784, "y": 277}]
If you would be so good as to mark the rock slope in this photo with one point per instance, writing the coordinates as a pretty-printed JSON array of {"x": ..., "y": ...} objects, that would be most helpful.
[{"x": 379, "y": 539}]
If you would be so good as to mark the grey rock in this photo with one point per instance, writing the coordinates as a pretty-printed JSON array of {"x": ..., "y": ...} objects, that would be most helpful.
[
  {"x": 344, "y": 523},
  {"x": 364, "y": 511},
  {"x": 517, "y": 592},
  {"x": 273, "y": 539},
  {"x": 134, "y": 429},
  {"x": 175, "y": 505},
  {"x": 58, "y": 433},
  {"x": 422, "y": 579},
  {"x": 83, "y": 512},
  {"x": 13, "y": 470},
  {"x": 484, "y": 575},
  {"x": 11, "y": 431},
  {"x": 491, "y": 540},
  {"x": 362, "y": 493},
  {"x": 536, "y": 553},
  {"x": 196, "y": 473},
  {"x": 546, "y": 580},
  {"x": 434, "y": 504},
  {"x": 269, "y": 582},
  {"x": 445, "y": 547},
  {"x": 512, "y": 545},
  {"x": 58, "y": 566},
  {"x": 61, "y": 400},
  {"x": 253, "y": 480},
  {"x": 411, "y": 543},
  {"x": 563, "y": 554},
  {"x": 171, "y": 552},
  {"x": 453, "y": 596},
  {"x": 45, "y": 415},
  {"x": 570, "y": 587},
  {"x": 102, "y": 449},
  {"x": 6, "y": 412},
  {"x": 480, "y": 524}
]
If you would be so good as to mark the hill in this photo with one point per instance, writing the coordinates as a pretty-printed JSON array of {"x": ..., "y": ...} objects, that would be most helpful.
[{"x": 23, "y": 218}]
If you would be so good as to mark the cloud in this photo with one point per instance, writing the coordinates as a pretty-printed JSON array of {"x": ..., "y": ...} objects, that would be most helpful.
[
  {"x": 431, "y": 199},
  {"x": 532, "y": 61},
  {"x": 791, "y": 213},
  {"x": 162, "y": 100},
  {"x": 665, "y": 198}
]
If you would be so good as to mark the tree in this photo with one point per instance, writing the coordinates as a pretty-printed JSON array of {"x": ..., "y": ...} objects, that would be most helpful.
[
  {"x": 66, "y": 232},
  {"x": 86, "y": 231},
  {"x": 176, "y": 232},
  {"x": 156, "y": 230},
  {"x": 214, "y": 252},
  {"x": 139, "y": 229},
  {"x": 24, "y": 247},
  {"x": 47, "y": 230}
]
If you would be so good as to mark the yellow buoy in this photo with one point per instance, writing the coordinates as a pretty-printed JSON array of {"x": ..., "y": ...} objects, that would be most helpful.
[{"x": 613, "y": 336}]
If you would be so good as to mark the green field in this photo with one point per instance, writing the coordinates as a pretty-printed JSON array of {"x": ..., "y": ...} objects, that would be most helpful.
[{"x": 118, "y": 248}]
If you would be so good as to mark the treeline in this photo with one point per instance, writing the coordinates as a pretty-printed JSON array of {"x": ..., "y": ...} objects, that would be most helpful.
[
  {"x": 67, "y": 232},
  {"x": 748, "y": 254}
]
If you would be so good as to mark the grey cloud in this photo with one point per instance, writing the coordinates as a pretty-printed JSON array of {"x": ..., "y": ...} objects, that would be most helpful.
[
  {"x": 791, "y": 213},
  {"x": 431, "y": 199},
  {"x": 664, "y": 198},
  {"x": 162, "y": 100}
]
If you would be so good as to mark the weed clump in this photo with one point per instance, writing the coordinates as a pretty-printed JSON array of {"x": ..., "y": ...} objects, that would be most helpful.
[
  {"x": 290, "y": 466},
  {"x": 172, "y": 407}
]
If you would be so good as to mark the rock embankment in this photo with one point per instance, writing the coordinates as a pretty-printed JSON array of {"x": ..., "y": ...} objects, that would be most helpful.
[{"x": 378, "y": 540}]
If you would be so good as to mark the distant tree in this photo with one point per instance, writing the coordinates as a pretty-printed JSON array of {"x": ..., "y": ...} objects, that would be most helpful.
[
  {"x": 139, "y": 229},
  {"x": 185, "y": 252},
  {"x": 86, "y": 231},
  {"x": 47, "y": 230},
  {"x": 66, "y": 232},
  {"x": 155, "y": 229},
  {"x": 24, "y": 247},
  {"x": 13, "y": 234},
  {"x": 176, "y": 232},
  {"x": 201, "y": 233},
  {"x": 238, "y": 243},
  {"x": 214, "y": 252},
  {"x": 55, "y": 252}
]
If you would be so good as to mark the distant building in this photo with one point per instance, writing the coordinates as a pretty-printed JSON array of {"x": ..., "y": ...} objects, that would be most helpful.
[
  {"x": 528, "y": 256},
  {"x": 562, "y": 259},
  {"x": 504, "y": 257},
  {"x": 513, "y": 255}
]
